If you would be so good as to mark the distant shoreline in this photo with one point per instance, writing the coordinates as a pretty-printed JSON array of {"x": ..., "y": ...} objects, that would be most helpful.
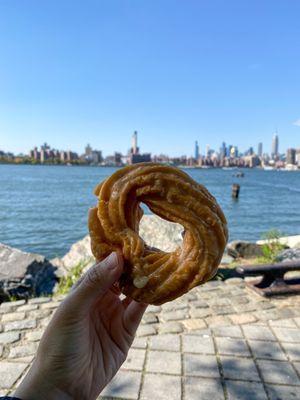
[{"x": 178, "y": 166}]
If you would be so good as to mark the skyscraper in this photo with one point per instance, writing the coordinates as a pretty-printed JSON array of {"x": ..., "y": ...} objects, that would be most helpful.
[
  {"x": 207, "y": 150},
  {"x": 196, "y": 150},
  {"x": 260, "y": 149},
  {"x": 291, "y": 156},
  {"x": 223, "y": 150},
  {"x": 134, "y": 148},
  {"x": 275, "y": 145}
]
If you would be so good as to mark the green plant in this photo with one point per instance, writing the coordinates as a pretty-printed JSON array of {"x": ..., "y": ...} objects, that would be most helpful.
[
  {"x": 272, "y": 246},
  {"x": 66, "y": 282}
]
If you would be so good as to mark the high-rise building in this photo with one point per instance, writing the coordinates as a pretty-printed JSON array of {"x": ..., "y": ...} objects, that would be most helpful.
[
  {"x": 207, "y": 149},
  {"x": 275, "y": 146},
  {"x": 196, "y": 150},
  {"x": 134, "y": 148},
  {"x": 88, "y": 150},
  {"x": 260, "y": 149},
  {"x": 291, "y": 156},
  {"x": 223, "y": 150}
]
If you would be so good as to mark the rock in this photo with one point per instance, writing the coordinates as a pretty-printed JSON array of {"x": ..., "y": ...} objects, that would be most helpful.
[
  {"x": 80, "y": 252},
  {"x": 289, "y": 255},
  {"x": 159, "y": 233},
  {"x": 154, "y": 230},
  {"x": 288, "y": 241},
  {"x": 24, "y": 275},
  {"x": 238, "y": 248},
  {"x": 227, "y": 259}
]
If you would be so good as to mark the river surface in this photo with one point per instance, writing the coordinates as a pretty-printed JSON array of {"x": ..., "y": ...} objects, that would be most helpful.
[{"x": 43, "y": 209}]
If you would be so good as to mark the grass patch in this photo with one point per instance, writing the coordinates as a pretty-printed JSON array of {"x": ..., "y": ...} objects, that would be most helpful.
[
  {"x": 272, "y": 247},
  {"x": 66, "y": 282}
]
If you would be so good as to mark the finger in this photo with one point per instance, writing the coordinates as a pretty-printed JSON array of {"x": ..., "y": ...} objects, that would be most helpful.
[
  {"x": 97, "y": 281},
  {"x": 126, "y": 302},
  {"x": 116, "y": 288},
  {"x": 133, "y": 315}
]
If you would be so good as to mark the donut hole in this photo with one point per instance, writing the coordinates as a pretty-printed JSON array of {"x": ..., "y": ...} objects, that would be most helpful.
[{"x": 157, "y": 232}]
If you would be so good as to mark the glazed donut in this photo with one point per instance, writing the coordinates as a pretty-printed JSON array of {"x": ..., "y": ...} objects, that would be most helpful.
[{"x": 151, "y": 275}]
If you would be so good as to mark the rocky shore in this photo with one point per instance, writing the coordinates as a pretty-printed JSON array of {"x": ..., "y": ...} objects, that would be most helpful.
[
  {"x": 24, "y": 275},
  {"x": 220, "y": 340}
]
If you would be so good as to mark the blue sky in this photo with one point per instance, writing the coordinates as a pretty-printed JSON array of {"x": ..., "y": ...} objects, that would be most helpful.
[{"x": 73, "y": 72}]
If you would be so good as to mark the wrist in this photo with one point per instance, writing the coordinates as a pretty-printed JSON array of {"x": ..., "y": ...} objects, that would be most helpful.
[{"x": 35, "y": 387}]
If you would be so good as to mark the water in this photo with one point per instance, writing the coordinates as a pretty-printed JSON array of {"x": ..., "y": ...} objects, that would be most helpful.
[{"x": 43, "y": 209}]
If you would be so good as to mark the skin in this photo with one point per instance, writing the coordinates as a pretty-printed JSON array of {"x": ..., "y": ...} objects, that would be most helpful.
[{"x": 87, "y": 339}]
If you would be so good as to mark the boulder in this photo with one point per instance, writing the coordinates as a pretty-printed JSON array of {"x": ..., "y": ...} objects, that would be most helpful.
[
  {"x": 80, "y": 252},
  {"x": 24, "y": 275},
  {"x": 289, "y": 255},
  {"x": 243, "y": 249},
  {"x": 156, "y": 232}
]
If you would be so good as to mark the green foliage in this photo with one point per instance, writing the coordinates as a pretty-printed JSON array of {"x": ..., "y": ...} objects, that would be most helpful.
[
  {"x": 12, "y": 298},
  {"x": 272, "y": 247},
  {"x": 66, "y": 283}
]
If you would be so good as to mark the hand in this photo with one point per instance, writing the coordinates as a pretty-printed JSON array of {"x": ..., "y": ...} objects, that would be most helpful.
[{"x": 87, "y": 339}]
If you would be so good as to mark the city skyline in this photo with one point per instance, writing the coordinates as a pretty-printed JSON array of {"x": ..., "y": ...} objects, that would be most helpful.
[
  {"x": 176, "y": 72},
  {"x": 227, "y": 156},
  {"x": 199, "y": 148}
]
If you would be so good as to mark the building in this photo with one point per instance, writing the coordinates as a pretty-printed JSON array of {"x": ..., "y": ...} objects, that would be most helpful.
[
  {"x": 88, "y": 151},
  {"x": 137, "y": 158},
  {"x": 251, "y": 161},
  {"x": 196, "y": 151},
  {"x": 223, "y": 150},
  {"x": 291, "y": 156},
  {"x": 260, "y": 149},
  {"x": 207, "y": 149},
  {"x": 134, "y": 155},
  {"x": 96, "y": 157},
  {"x": 134, "y": 147},
  {"x": 275, "y": 146}
]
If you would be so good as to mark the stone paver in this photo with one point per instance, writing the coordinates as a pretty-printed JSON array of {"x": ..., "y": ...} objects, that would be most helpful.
[
  {"x": 201, "y": 365},
  {"x": 277, "y": 392},
  {"x": 9, "y": 337},
  {"x": 271, "y": 350},
  {"x": 140, "y": 343},
  {"x": 135, "y": 360},
  {"x": 239, "y": 368},
  {"x": 278, "y": 372},
  {"x": 23, "y": 351},
  {"x": 33, "y": 336},
  {"x": 228, "y": 331},
  {"x": 162, "y": 387},
  {"x": 165, "y": 342},
  {"x": 146, "y": 330},
  {"x": 19, "y": 325},
  {"x": 197, "y": 344},
  {"x": 10, "y": 373},
  {"x": 297, "y": 366},
  {"x": 187, "y": 349},
  {"x": 203, "y": 389},
  {"x": 17, "y": 316},
  {"x": 230, "y": 346},
  {"x": 287, "y": 334},
  {"x": 39, "y": 300},
  {"x": 126, "y": 384},
  {"x": 239, "y": 390},
  {"x": 292, "y": 350},
  {"x": 171, "y": 327},
  {"x": 165, "y": 362},
  {"x": 258, "y": 333}
]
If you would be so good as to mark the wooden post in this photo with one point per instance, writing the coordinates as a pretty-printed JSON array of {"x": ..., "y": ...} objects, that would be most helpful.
[{"x": 235, "y": 190}]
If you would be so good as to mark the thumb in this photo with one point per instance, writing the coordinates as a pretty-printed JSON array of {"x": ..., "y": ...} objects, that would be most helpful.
[{"x": 98, "y": 279}]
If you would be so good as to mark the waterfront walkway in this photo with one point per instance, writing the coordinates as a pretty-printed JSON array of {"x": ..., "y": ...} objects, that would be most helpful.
[{"x": 219, "y": 341}]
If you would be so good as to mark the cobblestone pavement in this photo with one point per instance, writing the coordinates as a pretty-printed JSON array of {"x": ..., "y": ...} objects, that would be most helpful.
[{"x": 219, "y": 341}]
